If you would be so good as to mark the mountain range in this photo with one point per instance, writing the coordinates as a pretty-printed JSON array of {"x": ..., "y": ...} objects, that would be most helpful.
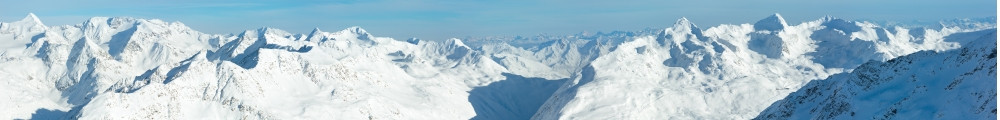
[{"x": 830, "y": 68}]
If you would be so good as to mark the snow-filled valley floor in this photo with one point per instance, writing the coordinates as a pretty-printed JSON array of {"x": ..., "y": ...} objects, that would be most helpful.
[{"x": 129, "y": 68}]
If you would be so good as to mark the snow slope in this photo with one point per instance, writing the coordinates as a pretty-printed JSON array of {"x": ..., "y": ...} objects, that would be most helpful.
[
  {"x": 128, "y": 68},
  {"x": 953, "y": 84}
]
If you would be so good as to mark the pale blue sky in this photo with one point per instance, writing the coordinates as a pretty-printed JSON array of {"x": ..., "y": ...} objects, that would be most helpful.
[{"x": 440, "y": 19}]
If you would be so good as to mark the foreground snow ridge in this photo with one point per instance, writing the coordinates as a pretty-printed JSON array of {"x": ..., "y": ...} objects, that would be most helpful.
[{"x": 128, "y": 68}]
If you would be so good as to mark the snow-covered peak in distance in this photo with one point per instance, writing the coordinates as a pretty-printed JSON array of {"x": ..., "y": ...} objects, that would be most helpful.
[
  {"x": 31, "y": 17},
  {"x": 771, "y": 23},
  {"x": 455, "y": 42},
  {"x": 28, "y": 25},
  {"x": 314, "y": 32},
  {"x": 683, "y": 22},
  {"x": 130, "y": 68},
  {"x": 766, "y": 39},
  {"x": 345, "y": 34},
  {"x": 357, "y": 30},
  {"x": 683, "y": 25},
  {"x": 413, "y": 40},
  {"x": 30, "y": 20},
  {"x": 683, "y": 31},
  {"x": 455, "y": 49},
  {"x": 976, "y": 23}
]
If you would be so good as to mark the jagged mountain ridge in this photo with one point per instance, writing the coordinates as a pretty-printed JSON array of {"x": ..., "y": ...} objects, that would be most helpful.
[{"x": 119, "y": 67}]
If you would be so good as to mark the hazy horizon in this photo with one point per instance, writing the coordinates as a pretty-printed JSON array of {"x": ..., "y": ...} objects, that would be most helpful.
[{"x": 441, "y": 19}]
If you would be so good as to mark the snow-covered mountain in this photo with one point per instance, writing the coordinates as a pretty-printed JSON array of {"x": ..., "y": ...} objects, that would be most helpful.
[
  {"x": 729, "y": 71},
  {"x": 134, "y": 68},
  {"x": 954, "y": 84},
  {"x": 128, "y": 68}
]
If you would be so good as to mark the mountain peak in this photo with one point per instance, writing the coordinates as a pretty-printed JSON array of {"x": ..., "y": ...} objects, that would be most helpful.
[
  {"x": 274, "y": 30},
  {"x": 683, "y": 22},
  {"x": 456, "y": 42},
  {"x": 314, "y": 32},
  {"x": 829, "y": 18},
  {"x": 29, "y": 23},
  {"x": 771, "y": 23},
  {"x": 683, "y": 26},
  {"x": 846, "y": 26},
  {"x": 31, "y": 16},
  {"x": 777, "y": 15},
  {"x": 357, "y": 30},
  {"x": 265, "y": 30},
  {"x": 455, "y": 49},
  {"x": 32, "y": 19},
  {"x": 413, "y": 40}
]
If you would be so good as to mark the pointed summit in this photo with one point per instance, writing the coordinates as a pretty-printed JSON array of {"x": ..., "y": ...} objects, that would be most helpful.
[
  {"x": 684, "y": 22},
  {"x": 455, "y": 49},
  {"x": 31, "y": 20},
  {"x": 456, "y": 42},
  {"x": 313, "y": 34},
  {"x": 314, "y": 31},
  {"x": 684, "y": 26},
  {"x": 29, "y": 23},
  {"x": 771, "y": 23},
  {"x": 682, "y": 30}
]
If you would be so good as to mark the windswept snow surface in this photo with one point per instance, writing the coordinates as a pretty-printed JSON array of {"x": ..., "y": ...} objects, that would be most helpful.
[{"x": 128, "y": 68}]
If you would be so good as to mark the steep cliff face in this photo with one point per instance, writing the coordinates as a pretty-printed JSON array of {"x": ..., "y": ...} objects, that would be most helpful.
[{"x": 953, "y": 84}]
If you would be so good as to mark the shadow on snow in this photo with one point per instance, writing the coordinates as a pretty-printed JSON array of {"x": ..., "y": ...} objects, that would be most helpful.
[{"x": 516, "y": 98}]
